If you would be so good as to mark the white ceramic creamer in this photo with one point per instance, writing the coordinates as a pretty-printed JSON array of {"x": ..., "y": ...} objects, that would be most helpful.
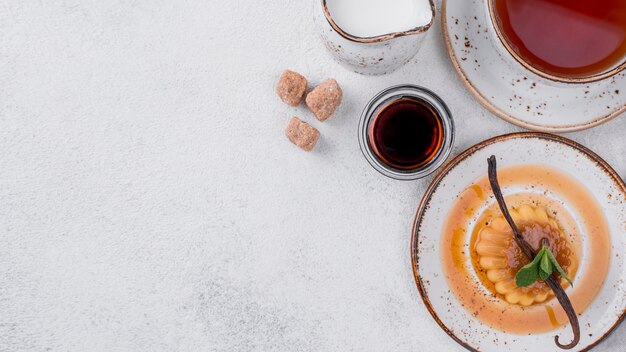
[{"x": 373, "y": 36}]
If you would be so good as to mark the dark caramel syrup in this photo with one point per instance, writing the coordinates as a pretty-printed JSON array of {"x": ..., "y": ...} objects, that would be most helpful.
[
  {"x": 406, "y": 133},
  {"x": 565, "y": 38}
]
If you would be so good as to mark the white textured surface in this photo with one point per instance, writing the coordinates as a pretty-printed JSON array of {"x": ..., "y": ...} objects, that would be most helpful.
[{"x": 149, "y": 200}]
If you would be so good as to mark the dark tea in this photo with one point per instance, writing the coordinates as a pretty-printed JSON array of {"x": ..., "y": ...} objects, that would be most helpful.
[
  {"x": 406, "y": 133},
  {"x": 565, "y": 38}
]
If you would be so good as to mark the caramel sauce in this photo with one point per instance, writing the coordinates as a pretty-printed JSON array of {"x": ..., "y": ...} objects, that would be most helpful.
[
  {"x": 533, "y": 233},
  {"x": 552, "y": 316},
  {"x": 477, "y": 190},
  {"x": 459, "y": 255},
  {"x": 406, "y": 134},
  {"x": 468, "y": 281}
]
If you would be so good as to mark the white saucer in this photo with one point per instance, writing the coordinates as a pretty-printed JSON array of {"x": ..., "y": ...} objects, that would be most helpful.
[{"x": 515, "y": 94}]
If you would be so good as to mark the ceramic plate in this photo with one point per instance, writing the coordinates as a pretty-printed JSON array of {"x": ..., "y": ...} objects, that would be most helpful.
[
  {"x": 515, "y": 94},
  {"x": 606, "y": 310}
]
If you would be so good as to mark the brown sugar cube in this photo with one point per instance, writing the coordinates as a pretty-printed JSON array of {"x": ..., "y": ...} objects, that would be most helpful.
[
  {"x": 324, "y": 99},
  {"x": 302, "y": 134},
  {"x": 291, "y": 86}
]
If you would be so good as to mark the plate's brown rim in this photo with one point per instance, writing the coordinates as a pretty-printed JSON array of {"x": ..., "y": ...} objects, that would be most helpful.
[
  {"x": 451, "y": 165},
  {"x": 460, "y": 73}
]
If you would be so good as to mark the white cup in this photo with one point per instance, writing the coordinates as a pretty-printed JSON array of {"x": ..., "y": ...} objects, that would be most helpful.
[{"x": 505, "y": 49}]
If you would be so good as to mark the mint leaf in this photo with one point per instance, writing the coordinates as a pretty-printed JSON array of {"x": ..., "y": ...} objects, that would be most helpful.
[
  {"x": 542, "y": 266},
  {"x": 545, "y": 266},
  {"x": 526, "y": 276},
  {"x": 558, "y": 268},
  {"x": 529, "y": 273}
]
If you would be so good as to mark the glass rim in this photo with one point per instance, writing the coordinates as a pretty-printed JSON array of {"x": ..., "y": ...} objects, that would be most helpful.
[{"x": 394, "y": 93}]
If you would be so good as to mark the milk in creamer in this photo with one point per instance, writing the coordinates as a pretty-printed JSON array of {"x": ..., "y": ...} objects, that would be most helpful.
[{"x": 371, "y": 18}]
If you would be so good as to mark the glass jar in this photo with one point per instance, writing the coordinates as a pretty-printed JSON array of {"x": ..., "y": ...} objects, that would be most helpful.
[{"x": 388, "y": 96}]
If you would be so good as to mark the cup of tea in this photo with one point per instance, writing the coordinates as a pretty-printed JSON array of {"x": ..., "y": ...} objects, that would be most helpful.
[
  {"x": 566, "y": 41},
  {"x": 371, "y": 36},
  {"x": 406, "y": 132}
]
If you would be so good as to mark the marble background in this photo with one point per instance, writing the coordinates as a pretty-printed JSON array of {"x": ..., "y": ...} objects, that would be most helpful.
[{"x": 149, "y": 200}]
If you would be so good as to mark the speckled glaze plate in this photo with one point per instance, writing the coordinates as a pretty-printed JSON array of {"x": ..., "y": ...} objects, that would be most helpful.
[
  {"x": 605, "y": 311},
  {"x": 512, "y": 92}
]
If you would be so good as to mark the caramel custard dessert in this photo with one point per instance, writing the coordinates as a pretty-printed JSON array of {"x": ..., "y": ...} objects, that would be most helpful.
[
  {"x": 481, "y": 258},
  {"x": 497, "y": 258}
]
